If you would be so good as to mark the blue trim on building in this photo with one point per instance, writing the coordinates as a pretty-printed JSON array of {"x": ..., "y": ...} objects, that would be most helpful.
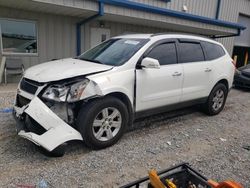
[
  {"x": 172, "y": 13},
  {"x": 79, "y": 24},
  {"x": 218, "y": 9},
  {"x": 157, "y": 10}
]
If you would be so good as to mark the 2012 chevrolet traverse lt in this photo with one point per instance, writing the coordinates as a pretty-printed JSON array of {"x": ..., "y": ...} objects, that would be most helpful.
[{"x": 97, "y": 95}]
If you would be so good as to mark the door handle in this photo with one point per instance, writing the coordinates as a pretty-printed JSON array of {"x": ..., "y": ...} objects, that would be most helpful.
[
  {"x": 177, "y": 74},
  {"x": 208, "y": 70}
]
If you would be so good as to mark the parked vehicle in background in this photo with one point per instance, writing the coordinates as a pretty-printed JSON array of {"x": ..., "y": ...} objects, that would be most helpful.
[
  {"x": 96, "y": 96},
  {"x": 242, "y": 77}
]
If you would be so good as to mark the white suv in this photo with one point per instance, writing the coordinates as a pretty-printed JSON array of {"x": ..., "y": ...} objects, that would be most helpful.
[{"x": 97, "y": 95}]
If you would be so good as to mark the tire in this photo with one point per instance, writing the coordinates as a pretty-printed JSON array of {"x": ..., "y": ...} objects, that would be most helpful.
[
  {"x": 102, "y": 122},
  {"x": 216, "y": 100}
]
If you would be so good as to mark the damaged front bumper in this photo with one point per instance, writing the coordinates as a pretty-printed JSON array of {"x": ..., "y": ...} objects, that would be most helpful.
[{"x": 56, "y": 131}]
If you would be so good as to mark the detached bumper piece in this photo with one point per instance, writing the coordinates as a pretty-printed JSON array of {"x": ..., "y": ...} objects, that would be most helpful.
[
  {"x": 52, "y": 131},
  {"x": 242, "y": 81}
]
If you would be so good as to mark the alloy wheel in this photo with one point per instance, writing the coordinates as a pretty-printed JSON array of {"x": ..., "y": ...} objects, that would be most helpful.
[
  {"x": 218, "y": 99},
  {"x": 107, "y": 124}
]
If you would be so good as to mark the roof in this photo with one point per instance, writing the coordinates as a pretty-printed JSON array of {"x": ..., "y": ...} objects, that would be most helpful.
[
  {"x": 138, "y": 36},
  {"x": 165, "y": 36}
]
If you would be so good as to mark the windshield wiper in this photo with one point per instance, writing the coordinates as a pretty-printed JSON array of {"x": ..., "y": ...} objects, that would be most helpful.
[{"x": 91, "y": 60}]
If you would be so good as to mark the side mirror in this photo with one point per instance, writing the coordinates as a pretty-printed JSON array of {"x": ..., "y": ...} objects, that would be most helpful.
[{"x": 150, "y": 63}]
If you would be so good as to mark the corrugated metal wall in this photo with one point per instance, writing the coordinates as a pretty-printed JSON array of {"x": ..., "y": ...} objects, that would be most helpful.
[
  {"x": 230, "y": 11},
  {"x": 198, "y": 7},
  {"x": 81, "y": 4},
  {"x": 56, "y": 35},
  {"x": 118, "y": 29}
]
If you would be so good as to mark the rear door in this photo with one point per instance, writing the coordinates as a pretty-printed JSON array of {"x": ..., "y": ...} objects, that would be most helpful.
[
  {"x": 197, "y": 72},
  {"x": 159, "y": 87},
  {"x": 221, "y": 63}
]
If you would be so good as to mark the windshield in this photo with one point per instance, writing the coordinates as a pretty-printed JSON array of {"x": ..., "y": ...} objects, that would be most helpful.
[{"x": 114, "y": 52}]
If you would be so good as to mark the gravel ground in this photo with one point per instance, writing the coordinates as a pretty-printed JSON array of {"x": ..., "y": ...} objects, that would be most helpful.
[{"x": 212, "y": 145}]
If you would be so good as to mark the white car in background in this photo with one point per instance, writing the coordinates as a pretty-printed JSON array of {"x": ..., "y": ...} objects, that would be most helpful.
[{"x": 96, "y": 96}]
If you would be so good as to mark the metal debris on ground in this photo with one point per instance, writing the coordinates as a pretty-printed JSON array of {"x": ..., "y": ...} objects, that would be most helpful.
[
  {"x": 247, "y": 147},
  {"x": 223, "y": 139},
  {"x": 169, "y": 143}
]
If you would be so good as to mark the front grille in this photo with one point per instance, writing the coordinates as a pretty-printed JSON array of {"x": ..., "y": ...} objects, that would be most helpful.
[
  {"x": 29, "y": 86},
  {"x": 21, "y": 101}
]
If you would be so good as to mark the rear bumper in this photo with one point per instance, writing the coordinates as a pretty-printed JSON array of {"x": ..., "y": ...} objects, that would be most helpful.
[
  {"x": 242, "y": 81},
  {"x": 56, "y": 131}
]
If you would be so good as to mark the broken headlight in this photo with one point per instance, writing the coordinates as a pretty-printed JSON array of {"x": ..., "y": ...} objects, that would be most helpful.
[{"x": 66, "y": 93}]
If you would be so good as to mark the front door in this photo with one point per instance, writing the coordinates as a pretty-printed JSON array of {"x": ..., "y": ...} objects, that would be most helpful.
[{"x": 159, "y": 87}]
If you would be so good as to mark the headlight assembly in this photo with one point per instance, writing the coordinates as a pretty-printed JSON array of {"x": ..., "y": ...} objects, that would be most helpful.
[
  {"x": 66, "y": 93},
  {"x": 76, "y": 91}
]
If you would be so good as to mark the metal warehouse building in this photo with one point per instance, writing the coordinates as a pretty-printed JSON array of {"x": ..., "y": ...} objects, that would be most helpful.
[{"x": 36, "y": 31}]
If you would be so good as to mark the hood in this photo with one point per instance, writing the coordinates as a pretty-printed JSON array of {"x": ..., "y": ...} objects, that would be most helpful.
[{"x": 63, "y": 69}]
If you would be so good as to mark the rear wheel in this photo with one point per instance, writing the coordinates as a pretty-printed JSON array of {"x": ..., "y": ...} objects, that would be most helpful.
[
  {"x": 216, "y": 100},
  {"x": 102, "y": 122}
]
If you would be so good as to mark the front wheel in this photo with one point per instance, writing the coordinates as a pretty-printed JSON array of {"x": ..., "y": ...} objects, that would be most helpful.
[
  {"x": 102, "y": 122},
  {"x": 216, "y": 100}
]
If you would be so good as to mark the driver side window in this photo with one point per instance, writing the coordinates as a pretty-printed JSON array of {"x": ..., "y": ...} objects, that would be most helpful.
[{"x": 165, "y": 53}]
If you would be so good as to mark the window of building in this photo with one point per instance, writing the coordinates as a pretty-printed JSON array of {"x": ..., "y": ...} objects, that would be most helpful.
[
  {"x": 164, "y": 53},
  {"x": 18, "y": 36},
  {"x": 190, "y": 52},
  {"x": 213, "y": 51}
]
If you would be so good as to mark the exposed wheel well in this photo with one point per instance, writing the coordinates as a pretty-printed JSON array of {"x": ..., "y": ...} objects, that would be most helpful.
[
  {"x": 124, "y": 98},
  {"x": 225, "y": 82}
]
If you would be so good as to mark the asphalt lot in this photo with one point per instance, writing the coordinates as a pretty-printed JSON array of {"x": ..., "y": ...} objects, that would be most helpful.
[{"x": 212, "y": 145}]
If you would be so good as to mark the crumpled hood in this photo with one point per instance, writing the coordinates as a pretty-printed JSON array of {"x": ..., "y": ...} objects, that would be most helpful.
[{"x": 62, "y": 69}]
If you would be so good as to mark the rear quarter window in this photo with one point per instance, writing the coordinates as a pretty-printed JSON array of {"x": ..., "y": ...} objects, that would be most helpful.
[{"x": 212, "y": 51}]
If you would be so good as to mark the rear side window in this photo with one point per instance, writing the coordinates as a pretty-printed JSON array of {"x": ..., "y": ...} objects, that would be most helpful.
[
  {"x": 164, "y": 53},
  {"x": 212, "y": 51},
  {"x": 190, "y": 52}
]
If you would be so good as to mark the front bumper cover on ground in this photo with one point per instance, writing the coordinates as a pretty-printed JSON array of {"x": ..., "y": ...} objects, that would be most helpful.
[{"x": 57, "y": 131}]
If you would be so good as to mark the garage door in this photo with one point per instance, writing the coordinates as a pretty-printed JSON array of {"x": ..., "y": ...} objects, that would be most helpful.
[{"x": 244, "y": 39}]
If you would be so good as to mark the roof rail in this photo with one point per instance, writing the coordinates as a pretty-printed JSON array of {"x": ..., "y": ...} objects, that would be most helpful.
[{"x": 198, "y": 35}]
